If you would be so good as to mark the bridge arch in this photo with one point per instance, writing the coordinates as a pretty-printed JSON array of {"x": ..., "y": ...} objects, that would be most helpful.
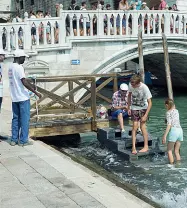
[{"x": 131, "y": 53}]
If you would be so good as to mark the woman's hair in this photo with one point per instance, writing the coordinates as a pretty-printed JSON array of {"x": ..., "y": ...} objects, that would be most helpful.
[
  {"x": 170, "y": 103},
  {"x": 136, "y": 79}
]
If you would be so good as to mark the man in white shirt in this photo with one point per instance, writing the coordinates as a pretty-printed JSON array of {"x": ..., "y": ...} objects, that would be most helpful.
[
  {"x": 19, "y": 87},
  {"x": 2, "y": 57},
  {"x": 139, "y": 105}
]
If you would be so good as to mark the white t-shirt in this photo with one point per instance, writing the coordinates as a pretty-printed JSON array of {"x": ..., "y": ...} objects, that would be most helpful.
[
  {"x": 17, "y": 90},
  {"x": 139, "y": 97},
  {"x": 1, "y": 82}
]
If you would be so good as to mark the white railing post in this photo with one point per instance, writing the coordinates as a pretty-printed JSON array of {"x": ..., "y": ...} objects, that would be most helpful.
[
  {"x": 167, "y": 23},
  {"x": 62, "y": 26},
  {"x": 26, "y": 33},
  {"x": 134, "y": 16},
  {"x": 100, "y": 22},
  {"x": 1, "y": 35},
  {"x": 8, "y": 39}
]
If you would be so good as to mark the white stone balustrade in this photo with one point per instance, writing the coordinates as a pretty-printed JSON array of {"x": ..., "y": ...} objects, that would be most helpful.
[{"x": 97, "y": 25}]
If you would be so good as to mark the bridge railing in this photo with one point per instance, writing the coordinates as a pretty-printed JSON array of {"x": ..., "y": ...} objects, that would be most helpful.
[{"x": 91, "y": 25}]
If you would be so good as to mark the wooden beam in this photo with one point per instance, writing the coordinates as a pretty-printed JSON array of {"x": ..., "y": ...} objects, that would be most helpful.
[
  {"x": 59, "y": 130},
  {"x": 93, "y": 104},
  {"x": 53, "y": 90},
  {"x": 52, "y": 117},
  {"x": 141, "y": 60},
  {"x": 97, "y": 89},
  {"x": 167, "y": 66}
]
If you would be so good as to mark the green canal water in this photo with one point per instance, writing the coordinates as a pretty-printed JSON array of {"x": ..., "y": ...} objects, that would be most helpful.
[{"x": 153, "y": 177}]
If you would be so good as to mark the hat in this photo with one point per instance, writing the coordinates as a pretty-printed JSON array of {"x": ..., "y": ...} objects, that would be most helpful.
[
  {"x": 20, "y": 53},
  {"x": 144, "y": 3},
  {"x": 124, "y": 87},
  {"x": 2, "y": 52}
]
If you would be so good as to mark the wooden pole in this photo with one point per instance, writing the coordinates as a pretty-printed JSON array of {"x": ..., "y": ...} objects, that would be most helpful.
[
  {"x": 141, "y": 60},
  {"x": 167, "y": 67},
  {"x": 71, "y": 96},
  {"x": 93, "y": 103},
  {"x": 115, "y": 83}
]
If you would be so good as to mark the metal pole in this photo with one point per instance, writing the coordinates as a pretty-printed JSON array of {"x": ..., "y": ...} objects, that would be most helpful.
[
  {"x": 167, "y": 67},
  {"x": 141, "y": 60}
]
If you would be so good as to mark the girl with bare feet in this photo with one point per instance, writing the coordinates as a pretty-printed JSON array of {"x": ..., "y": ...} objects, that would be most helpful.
[
  {"x": 173, "y": 131},
  {"x": 139, "y": 105}
]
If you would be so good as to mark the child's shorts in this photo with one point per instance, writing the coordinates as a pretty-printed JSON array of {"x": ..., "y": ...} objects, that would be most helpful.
[{"x": 175, "y": 134}]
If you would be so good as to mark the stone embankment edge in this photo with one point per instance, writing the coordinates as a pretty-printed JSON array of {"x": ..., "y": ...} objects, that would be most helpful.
[{"x": 105, "y": 174}]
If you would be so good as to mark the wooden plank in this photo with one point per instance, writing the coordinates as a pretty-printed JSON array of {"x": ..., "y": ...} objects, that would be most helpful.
[
  {"x": 59, "y": 130},
  {"x": 51, "y": 117},
  {"x": 60, "y": 79},
  {"x": 82, "y": 76}
]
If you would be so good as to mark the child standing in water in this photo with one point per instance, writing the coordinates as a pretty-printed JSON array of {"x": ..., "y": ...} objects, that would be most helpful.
[{"x": 173, "y": 131}]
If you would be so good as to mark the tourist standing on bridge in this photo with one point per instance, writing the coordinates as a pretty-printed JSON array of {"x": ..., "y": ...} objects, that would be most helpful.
[
  {"x": 173, "y": 131},
  {"x": 2, "y": 57},
  {"x": 139, "y": 106},
  {"x": 119, "y": 106},
  {"x": 19, "y": 87}
]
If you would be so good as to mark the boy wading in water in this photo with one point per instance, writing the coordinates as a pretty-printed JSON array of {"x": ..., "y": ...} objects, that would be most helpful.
[
  {"x": 139, "y": 106},
  {"x": 173, "y": 131}
]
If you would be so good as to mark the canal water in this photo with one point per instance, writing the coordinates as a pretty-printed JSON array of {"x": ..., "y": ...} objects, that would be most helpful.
[{"x": 153, "y": 177}]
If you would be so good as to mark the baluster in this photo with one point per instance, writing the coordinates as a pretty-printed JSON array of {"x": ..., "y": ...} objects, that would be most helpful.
[
  {"x": 185, "y": 22},
  {"x": 91, "y": 25},
  {"x": 1, "y": 41},
  {"x": 115, "y": 24},
  {"x": 84, "y": 25},
  {"x": 71, "y": 26},
  {"x": 143, "y": 28},
  {"x": 37, "y": 35},
  {"x": 127, "y": 24},
  {"x": 148, "y": 24},
  {"x": 45, "y": 34},
  {"x": 78, "y": 25},
  {"x": 16, "y": 37},
  {"x": 120, "y": 19},
  {"x": 174, "y": 24},
  {"x": 134, "y": 17},
  {"x": 52, "y": 35},
  {"x": 154, "y": 25},
  {"x": 179, "y": 24},
  {"x": 8, "y": 39},
  {"x": 108, "y": 24},
  {"x": 159, "y": 24}
]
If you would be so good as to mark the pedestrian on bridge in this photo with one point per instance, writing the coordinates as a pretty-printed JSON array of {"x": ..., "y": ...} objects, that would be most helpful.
[{"x": 19, "y": 87}]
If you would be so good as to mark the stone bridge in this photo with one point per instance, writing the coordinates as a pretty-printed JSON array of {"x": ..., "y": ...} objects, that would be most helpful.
[{"x": 86, "y": 42}]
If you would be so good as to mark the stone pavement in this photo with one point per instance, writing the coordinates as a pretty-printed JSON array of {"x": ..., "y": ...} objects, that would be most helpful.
[{"x": 38, "y": 176}]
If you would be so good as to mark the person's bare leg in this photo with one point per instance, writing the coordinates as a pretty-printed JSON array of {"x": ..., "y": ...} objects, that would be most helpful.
[
  {"x": 120, "y": 120},
  {"x": 145, "y": 136},
  {"x": 134, "y": 129},
  {"x": 177, "y": 150},
  {"x": 170, "y": 154}
]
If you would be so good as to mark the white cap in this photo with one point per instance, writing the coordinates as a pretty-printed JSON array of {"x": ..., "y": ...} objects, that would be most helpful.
[
  {"x": 20, "y": 53},
  {"x": 2, "y": 52},
  {"x": 144, "y": 3},
  {"x": 124, "y": 87}
]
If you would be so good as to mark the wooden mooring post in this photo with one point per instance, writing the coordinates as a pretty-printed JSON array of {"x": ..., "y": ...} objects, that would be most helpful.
[
  {"x": 141, "y": 60},
  {"x": 167, "y": 67}
]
